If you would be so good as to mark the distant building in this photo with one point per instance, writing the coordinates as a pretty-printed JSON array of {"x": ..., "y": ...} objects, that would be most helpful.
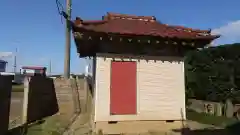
[
  {"x": 3, "y": 65},
  {"x": 29, "y": 70}
]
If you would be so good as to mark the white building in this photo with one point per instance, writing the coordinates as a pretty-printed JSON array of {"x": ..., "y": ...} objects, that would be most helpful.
[{"x": 138, "y": 71}]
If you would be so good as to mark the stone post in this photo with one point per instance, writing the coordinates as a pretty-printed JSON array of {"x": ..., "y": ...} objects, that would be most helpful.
[{"x": 229, "y": 108}]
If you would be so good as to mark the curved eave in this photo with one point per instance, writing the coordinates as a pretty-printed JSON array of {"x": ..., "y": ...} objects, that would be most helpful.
[{"x": 82, "y": 29}]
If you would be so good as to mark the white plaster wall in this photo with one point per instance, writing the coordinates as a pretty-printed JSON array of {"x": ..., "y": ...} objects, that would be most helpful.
[{"x": 160, "y": 89}]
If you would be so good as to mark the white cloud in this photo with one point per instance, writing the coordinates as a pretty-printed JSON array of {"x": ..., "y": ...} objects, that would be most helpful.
[
  {"x": 230, "y": 33},
  {"x": 6, "y": 54}
]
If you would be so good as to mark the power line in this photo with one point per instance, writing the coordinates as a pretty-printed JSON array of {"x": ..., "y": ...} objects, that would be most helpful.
[
  {"x": 60, "y": 8},
  {"x": 50, "y": 67}
]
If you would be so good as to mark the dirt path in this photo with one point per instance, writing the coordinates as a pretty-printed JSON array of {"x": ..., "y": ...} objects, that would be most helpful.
[
  {"x": 80, "y": 126},
  {"x": 16, "y": 108},
  {"x": 16, "y": 104}
]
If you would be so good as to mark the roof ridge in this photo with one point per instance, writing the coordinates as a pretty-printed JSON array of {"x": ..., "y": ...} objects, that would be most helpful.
[
  {"x": 141, "y": 25},
  {"x": 79, "y": 21},
  {"x": 187, "y": 29},
  {"x": 112, "y": 16}
]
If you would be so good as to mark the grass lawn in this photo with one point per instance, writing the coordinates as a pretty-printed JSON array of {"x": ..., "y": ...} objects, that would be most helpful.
[
  {"x": 49, "y": 126},
  {"x": 219, "y": 121},
  {"x": 17, "y": 88},
  {"x": 53, "y": 125}
]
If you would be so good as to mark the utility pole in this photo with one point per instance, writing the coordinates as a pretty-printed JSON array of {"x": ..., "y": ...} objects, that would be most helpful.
[
  {"x": 50, "y": 67},
  {"x": 15, "y": 61},
  {"x": 68, "y": 40}
]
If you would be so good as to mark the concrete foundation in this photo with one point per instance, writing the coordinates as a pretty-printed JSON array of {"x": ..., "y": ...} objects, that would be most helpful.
[{"x": 137, "y": 127}]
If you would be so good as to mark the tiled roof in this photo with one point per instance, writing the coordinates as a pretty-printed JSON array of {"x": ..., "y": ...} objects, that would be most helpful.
[{"x": 141, "y": 25}]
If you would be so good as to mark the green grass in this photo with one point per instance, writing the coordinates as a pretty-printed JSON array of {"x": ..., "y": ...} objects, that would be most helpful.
[
  {"x": 219, "y": 121},
  {"x": 52, "y": 126},
  {"x": 17, "y": 88}
]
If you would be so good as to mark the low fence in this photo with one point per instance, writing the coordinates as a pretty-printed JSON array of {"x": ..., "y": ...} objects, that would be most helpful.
[
  {"x": 213, "y": 108},
  {"x": 39, "y": 101},
  {"x": 63, "y": 98}
]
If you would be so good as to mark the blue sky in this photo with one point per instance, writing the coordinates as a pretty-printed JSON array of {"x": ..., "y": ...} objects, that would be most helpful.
[{"x": 35, "y": 28}]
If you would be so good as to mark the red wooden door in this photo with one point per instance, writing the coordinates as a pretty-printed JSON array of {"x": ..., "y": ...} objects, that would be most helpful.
[{"x": 123, "y": 88}]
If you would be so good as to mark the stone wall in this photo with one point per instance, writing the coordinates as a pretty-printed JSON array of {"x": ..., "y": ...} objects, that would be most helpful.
[
  {"x": 65, "y": 96},
  {"x": 202, "y": 106},
  {"x": 213, "y": 108},
  {"x": 71, "y": 91},
  {"x": 82, "y": 90},
  {"x": 71, "y": 94}
]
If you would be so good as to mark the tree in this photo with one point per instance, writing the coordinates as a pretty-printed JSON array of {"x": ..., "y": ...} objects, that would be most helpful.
[{"x": 214, "y": 73}]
